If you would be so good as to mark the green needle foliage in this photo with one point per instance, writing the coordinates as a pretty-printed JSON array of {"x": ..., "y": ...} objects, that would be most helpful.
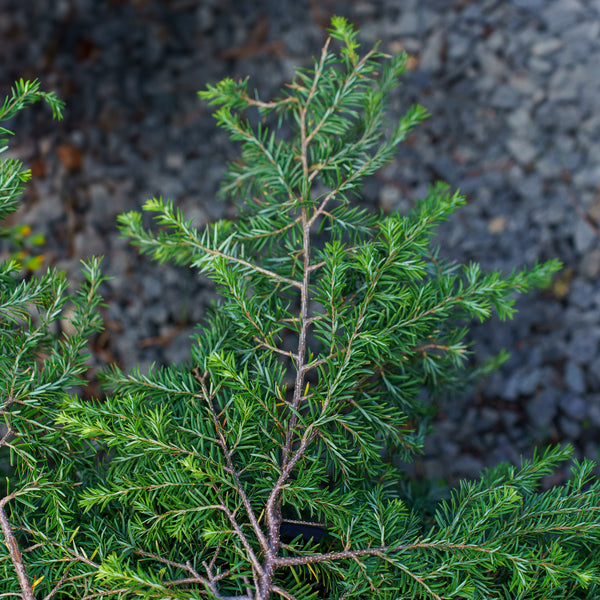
[
  {"x": 38, "y": 367},
  {"x": 258, "y": 469},
  {"x": 21, "y": 240}
]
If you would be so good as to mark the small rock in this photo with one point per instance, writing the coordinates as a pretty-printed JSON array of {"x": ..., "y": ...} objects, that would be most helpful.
[
  {"x": 389, "y": 198},
  {"x": 174, "y": 161},
  {"x": 509, "y": 419},
  {"x": 546, "y": 46},
  {"x": 526, "y": 87},
  {"x": 505, "y": 97},
  {"x": 408, "y": 23},
  {"x": 582, "y": 295},
  {"x": 505, "y": 451},
  {"x": 584, "y": 236},
  {"x": 89, "y": 243},
  {"x": 584, "y": 346},
  {"x": 487, "y": 419},
  {"x": 497, "y": 224},
  {"x": 467, "y": 466},
  {"x": 364, "y": 9},
  {"x": 547, "y": 215},
  {"x": 103, "y": 206},
  {"x": 520, "y": 120},
  {"x": 205, "y": 17},
  {"x": 558, "y": 16},
  {"x": 467, "y": 424},
  {"x": 590, "y": 264},
  {"x": 522, "y": 151},
  {"x": 571, "y": 429},
  {"x": 178, "y": 351},
  {"x": 157, "y": 313},
  {"x": 574, "y": 377},
  {"x": 563, "y": 87},
  {"x": 542, "y": 408},
  {"x": 587, "y": 31},
  {"x": 490, "y": 63},
  {"x": 530, "y": 381},
  {"x": 593, "y": 208},
  {"x": 539, "y": 65},
  {"x": 588, "y": 177},
  {"x": 496, "y": 41},
  {"x": 573, "y": 406},
  {"x": 433, "y": 469},
  {"x": 590, "y": 451},
  {"x": 594, "y": 414},
  {"x": 431, "y": 57},
  {"x": 531, "y": 187},
  {"x": 523, "y": 382},
  {"x": 153, "y": 287},
  {"x": 458, "y": 46}
]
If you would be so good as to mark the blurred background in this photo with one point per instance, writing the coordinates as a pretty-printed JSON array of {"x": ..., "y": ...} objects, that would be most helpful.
[{"x": 513, "y": 87}]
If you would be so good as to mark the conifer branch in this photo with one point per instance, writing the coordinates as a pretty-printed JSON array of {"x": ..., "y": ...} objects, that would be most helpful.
[
  {"x": 253, "y": 267},
  {"x": 284, "y": 593}
]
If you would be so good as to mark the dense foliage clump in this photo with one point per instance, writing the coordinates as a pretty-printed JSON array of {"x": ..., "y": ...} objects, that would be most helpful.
[{"x": 258, "y": 468}]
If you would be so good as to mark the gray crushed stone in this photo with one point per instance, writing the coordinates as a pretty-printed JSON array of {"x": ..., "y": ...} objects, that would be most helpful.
[{"x": 514, "y": 92}]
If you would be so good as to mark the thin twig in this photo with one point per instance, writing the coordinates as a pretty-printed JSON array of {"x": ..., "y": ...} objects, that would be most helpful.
[
  {"x": 185, "y": 567},
  {"x": 56, "y": 588},
  {"x": 275, "y": 349},
  {"x": 240, "y": 488},
  {"x": 272, "y": 104},
  {"x": 109, "y": 593},
  {"x": 15, "y": 552},
  {"x": 282, "y": 592},
  {"x": 253, "y": 559},
  {"x": 252, "y": 266}
]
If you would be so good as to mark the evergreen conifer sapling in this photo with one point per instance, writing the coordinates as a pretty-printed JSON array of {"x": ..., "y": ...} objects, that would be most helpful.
[{"x": 258, "y": 469}]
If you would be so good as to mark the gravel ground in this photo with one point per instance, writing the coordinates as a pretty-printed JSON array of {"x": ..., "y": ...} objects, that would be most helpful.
[{"x": 514, "y": 92}]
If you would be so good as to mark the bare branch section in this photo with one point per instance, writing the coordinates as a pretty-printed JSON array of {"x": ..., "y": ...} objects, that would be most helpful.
[{"x": 273, "y": 504}]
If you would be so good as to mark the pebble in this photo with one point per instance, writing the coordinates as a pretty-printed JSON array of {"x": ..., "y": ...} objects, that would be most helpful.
[
  {"x": 487, "y": 419},
  {"x": 571, "y": 429},
  {"x": 547, "y": 46},
  {"x": 431, "y": 57},
  {"x": 458, "y": 46},
  {"x": 585, "y": 346},
  {"x": 490, "y": 63},
  {"x": 594, "y": 414},
  {"x": 574, "y": 407},
  {"x": 178, "y": 350},
  {"x": 542, "y": 408},
  {"x": 467, "y": 466},
  {"x": 174, "y": 161},
  {"x": 584, "y": 236},
  {"x": 504, "y": 97},
  {"x": 574, "y": 377},
  {"x": 541, "y": 66},
  {"x": 522, "y": 151},
  {"x": 582, "y": 294},
  {"x": 559, "y": 15},
  {"x": 590, "y": 264},
  {"x": 89, "y": 242}
]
